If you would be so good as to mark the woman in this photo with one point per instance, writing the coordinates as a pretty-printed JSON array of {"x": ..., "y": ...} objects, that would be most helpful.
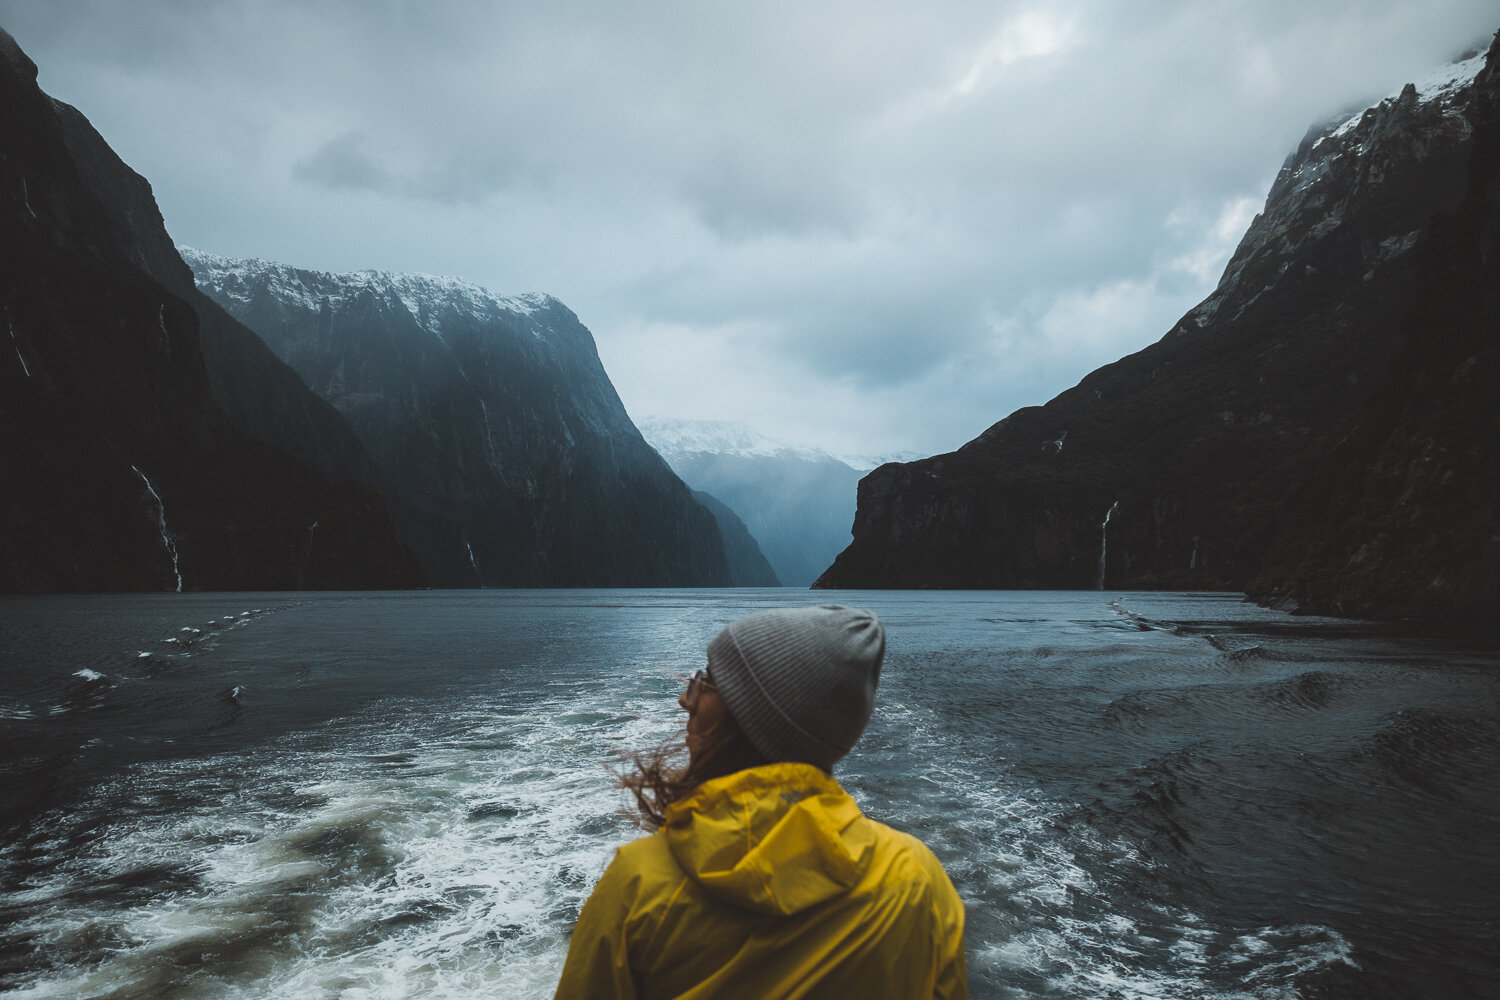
[{"x": 763, "y": 879}]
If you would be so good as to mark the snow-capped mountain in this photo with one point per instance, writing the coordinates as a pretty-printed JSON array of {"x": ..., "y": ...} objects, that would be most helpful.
[
  {"x": 490, "y": 420},
  {"x": 429, "y": 298},
  {"x": 797, "y": 502},
  {"x": 1402, "y": 514},
  {"x": 1176, "y": 465},
  {"x": 675, "y": 436},
  {"x": 1342, "y": 172}
]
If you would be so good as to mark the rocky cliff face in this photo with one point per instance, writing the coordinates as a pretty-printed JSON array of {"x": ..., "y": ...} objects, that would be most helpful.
[
  {"x": 490, "y": 423},
  {"x": 261, "y": 395},
  {"x": 1402, "y": 516},
  {"x": 1173, "y": 466},
  {"x": 120, "y": 470}
]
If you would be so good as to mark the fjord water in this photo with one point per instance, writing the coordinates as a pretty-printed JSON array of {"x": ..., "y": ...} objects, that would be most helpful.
[{"x": 408, "y": 795}]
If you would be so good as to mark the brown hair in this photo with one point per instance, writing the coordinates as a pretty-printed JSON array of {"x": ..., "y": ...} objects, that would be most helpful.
[{"x": 657, "y": 783}]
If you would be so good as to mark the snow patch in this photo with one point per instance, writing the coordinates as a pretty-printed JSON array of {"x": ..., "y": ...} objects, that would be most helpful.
[
  {"x": 1441, "y": 84},
  {"x": 427, "y": 297}
]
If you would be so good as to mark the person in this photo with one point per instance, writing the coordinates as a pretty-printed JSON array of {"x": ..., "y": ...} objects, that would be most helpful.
[{"x": 763, "y": 879}]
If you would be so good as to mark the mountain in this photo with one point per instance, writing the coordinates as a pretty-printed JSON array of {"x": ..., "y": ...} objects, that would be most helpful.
[
  {"x": 121, "y": 471},
  {"x": 797, "y": 502},
  {"x": 261, "y": 395},
  {"x": 489, "y": 422},
  {"x": 1179, "y": 465},
  {"x": 747, "y": 564},
  {"x": 1403, "y": 517}
]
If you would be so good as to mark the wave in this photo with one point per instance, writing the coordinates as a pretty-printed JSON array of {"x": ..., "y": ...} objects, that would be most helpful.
[
  {"x": 1442, "y": 754},
  {"x": 1312, "y": 690}
]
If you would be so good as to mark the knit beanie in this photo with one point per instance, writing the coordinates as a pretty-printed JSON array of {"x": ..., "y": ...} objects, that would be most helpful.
[{"x": 800, "y": 682}]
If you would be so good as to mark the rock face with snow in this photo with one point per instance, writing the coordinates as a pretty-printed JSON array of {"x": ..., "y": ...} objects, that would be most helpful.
[
  {"x": 119, "y": 470},
  {"x": 490, "y": 423},
  {"x": 1174, "y": 466},
  {"x": 1401, "y": 517},
  {"x": 797, "y": 502}
]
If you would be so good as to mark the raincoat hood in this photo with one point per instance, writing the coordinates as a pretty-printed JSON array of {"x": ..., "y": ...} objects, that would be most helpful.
[
  {"x": 769, "y": 884},
  {"x": 775, "y": 839}
]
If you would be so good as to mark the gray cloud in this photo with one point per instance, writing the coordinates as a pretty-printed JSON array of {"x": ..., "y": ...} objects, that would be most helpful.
[
  {"x": 874, "y": 226},
  {"x": 345, "y": 162},
  {"x": 350, "y": 162}
]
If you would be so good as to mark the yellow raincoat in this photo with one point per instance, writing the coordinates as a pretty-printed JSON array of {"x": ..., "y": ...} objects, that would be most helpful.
[{"x": 764, "y": 884}]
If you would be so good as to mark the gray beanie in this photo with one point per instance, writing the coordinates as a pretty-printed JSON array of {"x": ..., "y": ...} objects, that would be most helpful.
[{"x": 800, "y": 682}]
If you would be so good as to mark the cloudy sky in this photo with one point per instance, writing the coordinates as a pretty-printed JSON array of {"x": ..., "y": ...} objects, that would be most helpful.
[{"x": 870, "y": 226}]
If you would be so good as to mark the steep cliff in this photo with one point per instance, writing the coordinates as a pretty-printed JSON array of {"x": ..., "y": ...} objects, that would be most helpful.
[
  {"x": 118, "y": 470},
  {"x": 1172, "y": 466},
  {"x": 261, "y": 395},
  {"x": 1402, "y": 517},
  {"x": 490, "y": 423}
]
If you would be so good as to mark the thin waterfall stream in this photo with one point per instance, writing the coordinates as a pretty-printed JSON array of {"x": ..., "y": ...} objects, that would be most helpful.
[
  {"x": 161, "y": 519},
  {"x": 1104, "y": 541}
]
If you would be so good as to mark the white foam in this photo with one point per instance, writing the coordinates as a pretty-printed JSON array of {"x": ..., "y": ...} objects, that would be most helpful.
[{"x": 482, "y": 859}]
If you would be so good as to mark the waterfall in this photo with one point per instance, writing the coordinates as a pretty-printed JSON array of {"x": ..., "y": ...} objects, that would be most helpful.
[
  {"x": 470, "y": 549},
  {"x": 26, "y": 197},
  {"x": 161, "y": 518},
  {"x": 489, "y": 437},
  {"x": 16, "y": 343},
  {"x": 161, "y": 321},
  {"x": 1104, "y": 542}
]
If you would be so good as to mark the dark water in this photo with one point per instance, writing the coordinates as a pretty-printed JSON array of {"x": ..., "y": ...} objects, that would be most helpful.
[{"x": 407, "y": 795}]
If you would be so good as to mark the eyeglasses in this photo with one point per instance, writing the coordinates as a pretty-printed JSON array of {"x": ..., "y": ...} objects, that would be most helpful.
[{"x": 699, "y": 682}]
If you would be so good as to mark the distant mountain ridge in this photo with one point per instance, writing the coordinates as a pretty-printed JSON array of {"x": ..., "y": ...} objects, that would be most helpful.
[
  {"x": 797, "y": 502},
  {"x": 1176, "y": 466},
  {"x": 489, "y": 421},
  {"x": 678, "y": 436},
  {"x": 427, "y": 297}
]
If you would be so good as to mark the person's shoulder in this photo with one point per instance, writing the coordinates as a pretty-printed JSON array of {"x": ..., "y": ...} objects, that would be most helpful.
[
  {"x": 900, "y": 840},
  {"x": 646, "y": 863},
  {"x": 906, "y": 850}
]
